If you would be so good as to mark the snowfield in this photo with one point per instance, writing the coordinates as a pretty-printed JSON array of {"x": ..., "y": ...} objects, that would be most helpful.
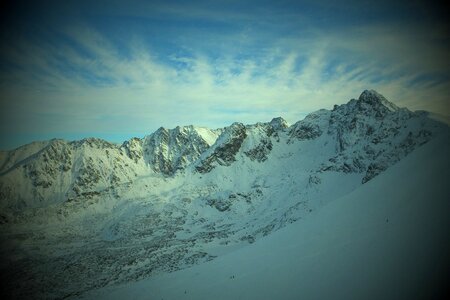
[
  {"x": 388, "y": 239},
  {"x": 347, "y": 203}
]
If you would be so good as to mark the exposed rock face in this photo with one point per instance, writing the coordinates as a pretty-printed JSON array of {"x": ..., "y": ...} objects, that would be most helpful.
[
  {"x": 133, "y": 149},
  {"x": 376, "y": 102},
  {"x": 169, "y": 150},
  {"x": 62, "y": 171},
  {"x": 309, "y": 128},
  {"x": 305, "y": 131},
  {"x": 224, "y": 151},
  {"x": 57, "y": 158},
  {"x": 261, "y": 137},
  {"x": 279, "y": 124},
  {"x": 370, "y": 135},
  {"x": 260, "y": 152}
]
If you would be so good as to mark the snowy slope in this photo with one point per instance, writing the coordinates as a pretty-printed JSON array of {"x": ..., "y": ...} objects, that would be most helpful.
[
  {"x": 388, "y": 239},
  {"x": 84, "y": 214}
]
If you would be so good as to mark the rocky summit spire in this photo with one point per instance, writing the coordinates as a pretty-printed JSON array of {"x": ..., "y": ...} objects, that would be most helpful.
[
  {"x": 279, "y": 123},
  {"x": 373, "y": 98}
]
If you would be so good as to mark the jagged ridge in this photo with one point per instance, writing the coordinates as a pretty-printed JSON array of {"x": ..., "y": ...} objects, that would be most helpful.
[{"x": 369, "y": 136}]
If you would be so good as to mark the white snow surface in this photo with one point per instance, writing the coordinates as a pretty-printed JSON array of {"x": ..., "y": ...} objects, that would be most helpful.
[
  {"x": 388, "y": 239},
  {"x": 210, "y": 136}
]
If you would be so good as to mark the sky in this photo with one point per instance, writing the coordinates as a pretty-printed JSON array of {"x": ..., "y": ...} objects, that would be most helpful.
[{"x": 118, "y": 69}]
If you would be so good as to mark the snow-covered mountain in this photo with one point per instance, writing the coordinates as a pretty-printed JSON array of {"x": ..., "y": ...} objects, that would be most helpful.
[
  {"x": 76, "y": 216},
  {"x": 387, "y": 239}
]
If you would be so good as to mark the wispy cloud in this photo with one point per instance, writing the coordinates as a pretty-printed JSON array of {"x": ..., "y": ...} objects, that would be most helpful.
[{"x": 91, "y": 82}]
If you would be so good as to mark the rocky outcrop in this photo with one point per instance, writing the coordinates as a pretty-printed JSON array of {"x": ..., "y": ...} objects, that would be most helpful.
[
  {"x": 370, "y": 135},
  {"x": 224, "y": 151},
  {"x": 169, "y": 150},
  {"x": 259, "y": 141},
  {"x": 309, "y": 128},
  {"x": 133, "y": 149},
  {"x": 261, "y": 151},
  {"x": 278, "y": 124}
]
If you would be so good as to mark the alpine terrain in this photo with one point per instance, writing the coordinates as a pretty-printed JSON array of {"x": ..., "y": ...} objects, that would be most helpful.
[{"x": 347, "y": 203}]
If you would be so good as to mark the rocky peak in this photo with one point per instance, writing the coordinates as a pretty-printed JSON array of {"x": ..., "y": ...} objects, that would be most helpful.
[
  {"x": 357, "y": 116},
  {"x": 375, "y": 100},
  {"x": 133, "y": 148},
  {"x": 16, "y": 156},
  {"x": 93, "y": 143},
  {"x": 169, "y": 150},
  {"x": 279, "y": 123},
  {"x": 372, "y": 133}
]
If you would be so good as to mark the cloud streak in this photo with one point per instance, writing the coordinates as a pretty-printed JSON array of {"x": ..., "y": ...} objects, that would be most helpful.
[{"x": 91, "y": 82}]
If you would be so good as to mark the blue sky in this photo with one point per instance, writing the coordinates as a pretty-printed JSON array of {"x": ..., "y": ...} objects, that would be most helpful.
[{"x": 117, "y": 69}]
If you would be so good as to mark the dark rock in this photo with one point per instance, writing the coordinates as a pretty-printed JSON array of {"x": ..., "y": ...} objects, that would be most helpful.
[{"x": 224, "y": 153}]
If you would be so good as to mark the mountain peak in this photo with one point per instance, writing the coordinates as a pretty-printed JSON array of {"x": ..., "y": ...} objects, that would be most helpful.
[
  {"x": 373, "y": 98},
  {"x": 279, "y": 123}
]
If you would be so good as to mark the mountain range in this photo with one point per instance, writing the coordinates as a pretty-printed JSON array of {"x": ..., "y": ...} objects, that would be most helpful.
[{"x": 77, "y": 216}]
